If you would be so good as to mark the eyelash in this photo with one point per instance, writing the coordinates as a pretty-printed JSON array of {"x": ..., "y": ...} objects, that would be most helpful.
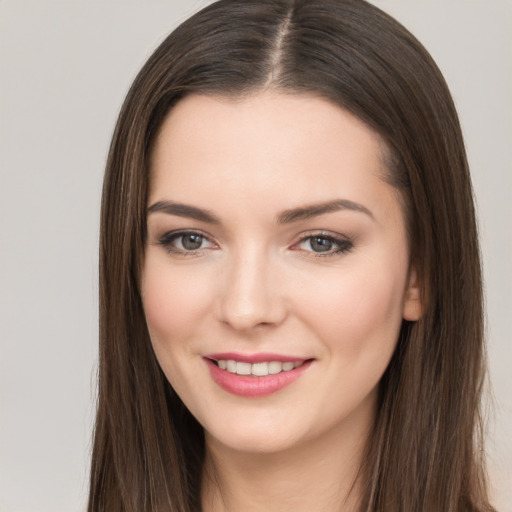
[
  {"x": 167, "y": 240},
  {"x": 344, "y": 245}
]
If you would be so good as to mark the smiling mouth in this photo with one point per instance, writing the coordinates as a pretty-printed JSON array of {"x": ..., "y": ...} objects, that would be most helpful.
[
  {"x": 259, "y": 369},
  {"x": 255, "y": 375}
]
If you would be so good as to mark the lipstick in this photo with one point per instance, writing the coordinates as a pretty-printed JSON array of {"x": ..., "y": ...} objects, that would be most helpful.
[{"x": 255, "y": 375}]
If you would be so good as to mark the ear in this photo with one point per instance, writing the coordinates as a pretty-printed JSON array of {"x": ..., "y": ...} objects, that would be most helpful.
[{"x": 413, "y": 304}]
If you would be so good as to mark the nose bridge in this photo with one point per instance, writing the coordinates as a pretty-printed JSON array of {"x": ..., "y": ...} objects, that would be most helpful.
[{"x": 250, "y": 293}]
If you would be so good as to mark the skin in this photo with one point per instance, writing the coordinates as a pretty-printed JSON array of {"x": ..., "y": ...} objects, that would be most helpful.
[{"x": 256, "y": 285}]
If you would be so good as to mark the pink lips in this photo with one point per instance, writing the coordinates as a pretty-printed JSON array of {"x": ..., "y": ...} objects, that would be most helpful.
[{"x": 249, "y": 385}]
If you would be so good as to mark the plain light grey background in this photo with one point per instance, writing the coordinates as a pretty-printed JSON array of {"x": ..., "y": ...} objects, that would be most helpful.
[{"x": 64, "y": 70}]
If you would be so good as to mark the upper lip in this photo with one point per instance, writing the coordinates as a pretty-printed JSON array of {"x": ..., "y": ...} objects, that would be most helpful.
[{"x": 255, "y": 358}]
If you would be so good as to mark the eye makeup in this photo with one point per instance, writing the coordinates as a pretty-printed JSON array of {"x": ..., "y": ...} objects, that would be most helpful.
[{"x": 187, "y": 242}]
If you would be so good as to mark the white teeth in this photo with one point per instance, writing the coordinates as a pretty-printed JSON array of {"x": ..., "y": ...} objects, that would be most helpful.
[
  {"x": 275, "y": 367},
  {"x": 243, "y": 368},
  {"x": 257, "y": 369}
]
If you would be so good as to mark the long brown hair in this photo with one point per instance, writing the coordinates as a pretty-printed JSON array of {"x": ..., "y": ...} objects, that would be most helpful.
[{"x": 425, "y": 452}]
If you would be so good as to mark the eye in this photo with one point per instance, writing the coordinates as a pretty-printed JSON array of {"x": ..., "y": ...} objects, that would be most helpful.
[
  {"x": 324, "y": 245},
  {"x": 320, "y": 243},
  {"x": 185, "y": 242}
]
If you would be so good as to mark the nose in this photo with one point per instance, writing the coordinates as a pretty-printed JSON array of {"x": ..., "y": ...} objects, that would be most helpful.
[{"x": 252, "y": 292}]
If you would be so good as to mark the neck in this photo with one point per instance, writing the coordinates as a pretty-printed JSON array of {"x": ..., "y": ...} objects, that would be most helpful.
[{"x": 320, "y": 475}]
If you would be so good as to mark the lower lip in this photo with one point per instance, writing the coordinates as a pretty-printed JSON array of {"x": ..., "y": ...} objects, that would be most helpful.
[{"x": 250, "y": 386}]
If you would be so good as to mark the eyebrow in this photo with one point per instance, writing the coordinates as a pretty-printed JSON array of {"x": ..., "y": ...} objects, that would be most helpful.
[
  {"x": 184, "y": 210},
  {"x": 285, "y": 217},
  {"x": 314, "y": 210}
]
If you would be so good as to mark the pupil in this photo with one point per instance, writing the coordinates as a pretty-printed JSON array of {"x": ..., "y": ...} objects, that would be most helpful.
[
  {"x": 319, "y": 244},
  {"x": 192, "y": 242}
]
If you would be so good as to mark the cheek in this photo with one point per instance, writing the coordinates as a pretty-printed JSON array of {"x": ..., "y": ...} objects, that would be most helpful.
[
  {"x": 174, "y": 299},
  {"x": 357, "y": 312}
]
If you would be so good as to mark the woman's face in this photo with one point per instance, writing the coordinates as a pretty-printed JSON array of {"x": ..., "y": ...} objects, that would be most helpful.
[{"x": 276, "y": 273}]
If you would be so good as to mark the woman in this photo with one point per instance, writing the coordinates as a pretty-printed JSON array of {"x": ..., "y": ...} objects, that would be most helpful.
[{"x": 291, "y": 303}]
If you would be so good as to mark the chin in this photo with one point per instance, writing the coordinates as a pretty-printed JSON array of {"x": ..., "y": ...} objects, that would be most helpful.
[
  {"x": 255, "y": 442},
  {"x": 251, "y": 436}
]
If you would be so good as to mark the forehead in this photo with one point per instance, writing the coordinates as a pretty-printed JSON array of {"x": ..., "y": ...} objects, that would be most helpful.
[{"x": 268, "y": 144}]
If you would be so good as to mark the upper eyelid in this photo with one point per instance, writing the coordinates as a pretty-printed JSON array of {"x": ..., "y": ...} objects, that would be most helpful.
[
  {"x": 337, "y": 237},
  {"x": 166, "y": 241},
  {"x": 180, "y": 232}
]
